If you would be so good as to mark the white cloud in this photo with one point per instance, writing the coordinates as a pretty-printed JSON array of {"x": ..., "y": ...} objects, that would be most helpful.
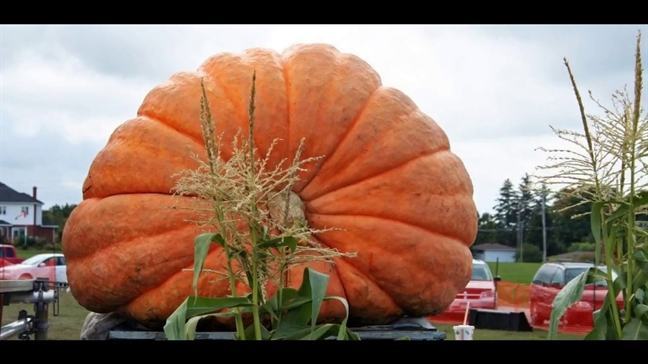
[
  {"x": 494, "y": 90},
  {"x": 72, "y": 184},
  {"x": 491, "y": 161},
  {"x": 63, "y": 96}
]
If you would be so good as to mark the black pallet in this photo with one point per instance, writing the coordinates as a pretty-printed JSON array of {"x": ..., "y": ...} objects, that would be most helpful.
[{"x": 498, "y": 320}]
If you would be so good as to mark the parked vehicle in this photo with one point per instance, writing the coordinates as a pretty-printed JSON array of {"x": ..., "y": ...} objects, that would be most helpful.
[
  {"x": 550, "y": 279},
  {"x": 480, "y": 292},
  {"x": 4, "y": 262},
  {"x": 50, "y": 266},
  {"x": 8, "y": 254}
]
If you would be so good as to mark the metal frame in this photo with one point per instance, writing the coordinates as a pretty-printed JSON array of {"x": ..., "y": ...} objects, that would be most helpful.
[{"x": 39, "y": 292}]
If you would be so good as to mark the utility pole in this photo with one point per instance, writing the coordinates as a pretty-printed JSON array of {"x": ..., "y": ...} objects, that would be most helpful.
[
  {"x": 544, "y": 227},
  {"x": 519, "y": 231}
]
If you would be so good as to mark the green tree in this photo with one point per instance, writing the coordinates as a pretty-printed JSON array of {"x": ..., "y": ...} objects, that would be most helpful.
[
  {"x": 58, "y": 215},
  {"x": 570, "y": 225},
  {"x": 531, "y": 253},
  {"x": 542, "y": 195},
  {"x": 506, "y": 213},
  {"x": 488, "y": 229},
  {"x": 525, "y": 200},
  {"x": 524, "y": 210}
]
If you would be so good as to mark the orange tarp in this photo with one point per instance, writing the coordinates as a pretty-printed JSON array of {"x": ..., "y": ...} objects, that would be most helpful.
[
  {"x": 513, "y": 294},
  {"x": 510, "y": 297}
]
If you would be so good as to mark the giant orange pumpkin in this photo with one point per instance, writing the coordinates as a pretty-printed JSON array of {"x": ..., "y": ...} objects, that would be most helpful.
[{"x": 401, "y": 198}]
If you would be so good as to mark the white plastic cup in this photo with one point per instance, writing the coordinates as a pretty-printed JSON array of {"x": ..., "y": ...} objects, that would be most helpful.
[{"x": 463, "y": 332}]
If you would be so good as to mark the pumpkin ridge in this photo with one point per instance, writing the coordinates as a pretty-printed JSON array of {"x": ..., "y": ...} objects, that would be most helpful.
[
  {"x": 133, "y": 295},
  {"x": 137, "y": 150},
  {"x": 158, "y": 120},
  {"x": 235, "y": 102},
  {"x": 153, "y": 104},
  {"x": 322, "y": 115},
  {"x": 427, "y": 229},
  {"x": 352, "y": 124},
  {"x": 173, "y": 275},
  {"x": 314, "y": 168},
  {"x": 127, "y": 279},
  {"x": 161, "y": 119},
  {"x": 366, "y": 277},
  {"x": 329, "y": 87},
  {"x": 388, "y": 251},
  {"x": 97, "y": 200},
  {"x": 335, "y": 267},
  {"x": 352, "y": 183},
  {"x": 124, "y": 242},
  {"x": 153, "y": 151},
  {"x": 344, "y": 167}
]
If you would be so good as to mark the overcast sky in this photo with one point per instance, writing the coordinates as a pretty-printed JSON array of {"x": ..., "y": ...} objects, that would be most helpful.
[{"x": 494, "y": 89}]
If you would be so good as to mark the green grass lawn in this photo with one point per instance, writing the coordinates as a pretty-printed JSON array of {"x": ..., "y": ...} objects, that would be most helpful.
[
  {"x": 516, "y": 272},
  {"x": 482, "y": 334}
]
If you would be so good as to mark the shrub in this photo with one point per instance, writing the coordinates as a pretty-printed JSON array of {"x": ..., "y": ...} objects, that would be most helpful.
[
  {"x": 582, "y": 247},
  {"x": 531, "y": 253}
]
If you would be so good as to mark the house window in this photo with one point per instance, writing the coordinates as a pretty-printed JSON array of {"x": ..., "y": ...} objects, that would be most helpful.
[
  {"x": 24, "y": 210},
  {"x": 3, "y": 210}
]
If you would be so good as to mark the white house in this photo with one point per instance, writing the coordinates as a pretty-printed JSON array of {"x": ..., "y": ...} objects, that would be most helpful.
[
  {"x": 491, "y": 252},
  {"x": 21, "y": 215}
]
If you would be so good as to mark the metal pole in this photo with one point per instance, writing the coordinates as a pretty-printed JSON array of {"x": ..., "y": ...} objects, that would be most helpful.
[
  {"x": 23, "y": 291},
  {"x": 42, "y": 323},
  {"x": 496, "y": 266},
  {"x": 519, "y": 233},
  {"x": 1, "y": 306},
  {"x": 544, "y": 228},
  {"x": 41, "y": 306},
  {"x": 496, "y": 275},
  {"x": 14, "y": 328}
]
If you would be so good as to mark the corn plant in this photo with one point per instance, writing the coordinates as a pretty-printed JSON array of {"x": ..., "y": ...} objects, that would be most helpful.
[
  {"x": 260, "y": 225},
  {"x": 606, "y": 164}
]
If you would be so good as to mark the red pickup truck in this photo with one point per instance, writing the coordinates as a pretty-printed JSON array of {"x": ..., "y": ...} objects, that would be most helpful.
[{"x": 8, "y": 255}]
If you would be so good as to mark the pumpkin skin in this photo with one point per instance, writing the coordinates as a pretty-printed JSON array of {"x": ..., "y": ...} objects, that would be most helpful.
[{"x": 402, "y": 199}]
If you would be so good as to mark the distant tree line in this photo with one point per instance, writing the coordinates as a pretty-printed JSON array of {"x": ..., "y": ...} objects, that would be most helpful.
[
  {"x": 58, "y": 215},
  {"x": 517, "y": 219}
]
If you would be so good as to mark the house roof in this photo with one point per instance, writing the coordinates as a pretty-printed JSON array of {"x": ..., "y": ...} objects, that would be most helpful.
[
  {"x": 8, "y": 194},
  {"x": 493, "y": 246},
  {"x": 2, "y": 222}
]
